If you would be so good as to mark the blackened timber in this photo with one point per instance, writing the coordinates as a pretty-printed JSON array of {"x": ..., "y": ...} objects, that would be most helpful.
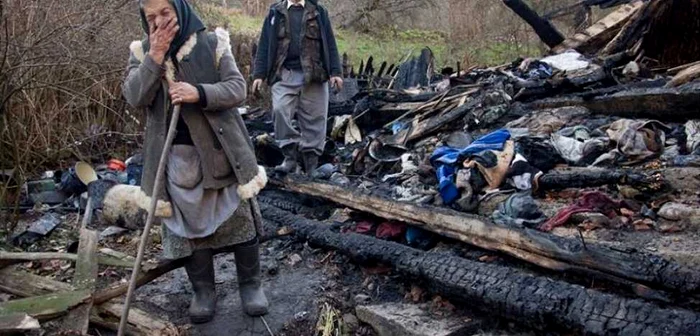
[
  {"x": 535, "y": 301},
  {"x": 543, "y": 28},
  {"x": 679, "y": 103},
  {"x": 542, "y": 249},
  {"x": 599, "y": 34},
  {"x": 595, "y": 177}
]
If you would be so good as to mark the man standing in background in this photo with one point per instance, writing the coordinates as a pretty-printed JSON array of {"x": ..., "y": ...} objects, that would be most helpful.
[{"x": 297, "y": 56}]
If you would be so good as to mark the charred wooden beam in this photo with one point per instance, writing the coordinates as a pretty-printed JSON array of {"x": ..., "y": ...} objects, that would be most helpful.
[
  {"x": 632, "y": 31},
  {"x": 595, "y": 177},
  {"x": 542, "y": 249},
  {"x": 600, "y": 33},
  {"x": 535, "y": 301},
  {"x": 543, "y": 28},
  {"x": 659, "y": 103}
]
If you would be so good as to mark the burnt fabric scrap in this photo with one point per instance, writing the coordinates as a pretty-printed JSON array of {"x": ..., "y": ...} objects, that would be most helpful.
[
  {"x": 637, "y": 140},
  {"x": 519, "y": 210},
  {"x": 589, "y": 202}
]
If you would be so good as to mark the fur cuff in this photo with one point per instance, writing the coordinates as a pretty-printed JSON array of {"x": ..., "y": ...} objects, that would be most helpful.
[
  {"x": 223, "y": 43},
  {"x": 253, "y": 187},
  {"x": 136, "y": 48}
]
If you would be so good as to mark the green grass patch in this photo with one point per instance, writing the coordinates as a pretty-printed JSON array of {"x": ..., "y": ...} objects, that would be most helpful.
[{"x": 391, "y": 45}]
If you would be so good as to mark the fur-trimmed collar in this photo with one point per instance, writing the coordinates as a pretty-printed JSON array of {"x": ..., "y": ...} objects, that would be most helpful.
[{"x": 223, "y": 44}]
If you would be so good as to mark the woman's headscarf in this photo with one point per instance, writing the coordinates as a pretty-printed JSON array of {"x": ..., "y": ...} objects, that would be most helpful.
[{"x": 188, "y": 21}]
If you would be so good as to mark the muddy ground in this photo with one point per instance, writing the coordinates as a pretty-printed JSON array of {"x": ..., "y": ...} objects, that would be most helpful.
[{"x": 298, "y": 280}]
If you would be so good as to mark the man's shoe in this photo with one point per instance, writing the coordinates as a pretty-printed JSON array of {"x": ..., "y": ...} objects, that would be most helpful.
[
  {"x": 310, "y": 163},
  {"x": 289, "y": 165}
]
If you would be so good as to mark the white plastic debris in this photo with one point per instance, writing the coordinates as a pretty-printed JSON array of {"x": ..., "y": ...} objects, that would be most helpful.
[{"x": 567, "y": 61}]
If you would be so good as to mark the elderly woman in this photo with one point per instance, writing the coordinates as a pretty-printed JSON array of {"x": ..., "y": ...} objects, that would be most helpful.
[{"x": 212, "y": 176}]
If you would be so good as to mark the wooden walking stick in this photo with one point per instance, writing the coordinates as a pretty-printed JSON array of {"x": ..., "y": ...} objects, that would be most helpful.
[{"x": 149, "y": 220}]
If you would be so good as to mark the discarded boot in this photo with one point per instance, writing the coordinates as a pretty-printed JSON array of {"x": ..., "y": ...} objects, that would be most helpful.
[
  {"x": 250, "y": 286},
  {"x": 200, "y": 270},
  {"x": 310, "y": 163},
  {"x": 289, "y": 165}
]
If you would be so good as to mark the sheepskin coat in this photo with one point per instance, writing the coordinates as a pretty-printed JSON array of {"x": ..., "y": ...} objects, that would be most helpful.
[{"x": 217, "y": 129}]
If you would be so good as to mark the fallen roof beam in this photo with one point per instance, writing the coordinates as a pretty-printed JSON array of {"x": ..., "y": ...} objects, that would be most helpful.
[
  {"x": 535, "y": 301},
  {"x": 629, "y": 268},
  {"x": 600, "y": 33},
  {"x": 679, "y": 103}
]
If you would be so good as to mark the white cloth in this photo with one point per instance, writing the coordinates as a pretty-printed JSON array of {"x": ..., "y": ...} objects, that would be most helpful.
[
  {"x": 197, "y": 212},
  {"x": 291, "y": 3}
]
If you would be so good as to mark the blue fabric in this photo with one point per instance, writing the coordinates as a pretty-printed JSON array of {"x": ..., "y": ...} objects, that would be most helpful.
[{"x": 445, "y": 160}]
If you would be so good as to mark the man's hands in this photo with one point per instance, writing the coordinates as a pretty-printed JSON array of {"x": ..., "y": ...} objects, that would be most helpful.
[
  {"x": 181, "y": 92},
  {"x": 257, "y": 85},
  {"x": 337, "y": 83},
  {"x": 160, "y": 39}
]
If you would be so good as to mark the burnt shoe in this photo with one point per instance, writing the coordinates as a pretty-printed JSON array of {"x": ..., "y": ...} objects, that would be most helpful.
[
  {"x": 200, "y": 270},
  {"x": 253, "y": 298}
]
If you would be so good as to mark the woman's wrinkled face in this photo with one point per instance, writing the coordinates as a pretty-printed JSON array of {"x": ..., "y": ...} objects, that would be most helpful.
[{"x": 158, "y": 13}]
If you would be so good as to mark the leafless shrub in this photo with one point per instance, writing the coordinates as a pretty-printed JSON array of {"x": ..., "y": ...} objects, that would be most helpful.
[{"x": 61, "y": 63}]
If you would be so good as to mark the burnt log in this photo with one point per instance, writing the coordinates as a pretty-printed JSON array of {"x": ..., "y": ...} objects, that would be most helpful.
[
  {"x": 595, "y": 177},
  {"x": 629, "y": 268},
  {"x": 534, "y": 301},
  {"x": 543, "y": 28},
  {"x": 658, "y": 103}
]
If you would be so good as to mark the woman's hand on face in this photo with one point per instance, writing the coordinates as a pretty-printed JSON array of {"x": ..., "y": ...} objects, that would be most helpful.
[
  {"x": 160, "y": 39},
  {"x": 181, "y": 92}
]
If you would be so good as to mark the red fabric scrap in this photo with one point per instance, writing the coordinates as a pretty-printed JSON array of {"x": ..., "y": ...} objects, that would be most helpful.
[
  {"x": 391, "y": 230},
  {"x": 363, "y": 227},
  {"x": 590, "y": 202}
]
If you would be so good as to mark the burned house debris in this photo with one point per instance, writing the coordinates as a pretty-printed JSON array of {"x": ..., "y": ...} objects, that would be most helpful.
[{"x": 578, "y": 172}]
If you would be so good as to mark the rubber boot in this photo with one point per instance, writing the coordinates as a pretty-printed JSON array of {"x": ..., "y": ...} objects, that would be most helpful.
[
  {"x": 200, "y": 270},
  {"x": 310, "y": 163},
  {"x": 289, "y": 165},
  {"x": 250, "y": 286}
]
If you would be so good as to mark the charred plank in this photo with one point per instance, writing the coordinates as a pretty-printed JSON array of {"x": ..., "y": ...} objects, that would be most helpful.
[{"x": 537, "y": 302}]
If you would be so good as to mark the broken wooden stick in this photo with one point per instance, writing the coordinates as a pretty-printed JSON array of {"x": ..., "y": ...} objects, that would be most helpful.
[
  {"x": 106, "y": 315},
  {"x": 86, "y": 269},
  {"x": 535, "y": 301},
  {"x": 532, "y": 246},
  {"x": 687, "y": 75},
  {"x": 45, "y": 307},
  {"x": 12, "y": 258},
  {"x": 160, "y": 173}
]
